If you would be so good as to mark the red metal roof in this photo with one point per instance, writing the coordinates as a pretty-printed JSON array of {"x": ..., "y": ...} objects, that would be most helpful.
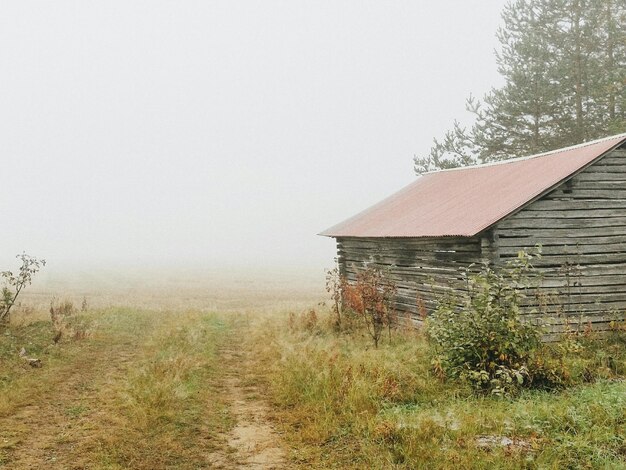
[{"x": 466, "y": 201}]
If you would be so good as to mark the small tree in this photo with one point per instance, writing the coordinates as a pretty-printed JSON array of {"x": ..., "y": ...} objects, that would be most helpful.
[
  {"x": 15, "y": 283},
  {"x": 482, "y": 337},
  {"x": 372, "y": 298}
]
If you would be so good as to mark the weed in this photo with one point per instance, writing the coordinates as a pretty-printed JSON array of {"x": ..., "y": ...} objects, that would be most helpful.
[
  {"x": 335, "y": 284},
  {"x": 65, "y": 322},
  {"x": 307, "y": 321}
]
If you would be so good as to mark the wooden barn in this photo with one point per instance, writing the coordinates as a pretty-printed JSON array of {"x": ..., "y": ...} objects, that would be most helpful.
[{"x": 572, "y": 201}]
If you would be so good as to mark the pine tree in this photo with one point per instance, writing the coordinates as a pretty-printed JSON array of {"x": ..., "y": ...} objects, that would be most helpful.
[{"x": 564, "y": 65}]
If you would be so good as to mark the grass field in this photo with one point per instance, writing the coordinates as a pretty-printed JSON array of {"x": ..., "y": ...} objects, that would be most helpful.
[
  {"x": 245, "y": 377},
  {"x": 136, "y": 394},
  {"x": 344, "y": 404}
]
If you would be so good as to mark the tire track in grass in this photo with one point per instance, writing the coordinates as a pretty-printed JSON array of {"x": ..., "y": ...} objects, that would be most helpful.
[
  {"x": 134, "y": 396},
  {"x": 253, "y": 442},
  {"x": 43, "y": 428},
  {"x": 168, "y": 410}
]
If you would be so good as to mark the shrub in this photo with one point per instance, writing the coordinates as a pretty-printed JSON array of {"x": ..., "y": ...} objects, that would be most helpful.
[
  {"x": 371, "y": 297},
  {"x": 481, "y": 337}
]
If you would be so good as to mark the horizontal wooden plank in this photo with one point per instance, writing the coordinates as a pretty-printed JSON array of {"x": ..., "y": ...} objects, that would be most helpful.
[
  {"x": 611, "y": 166},
  {"x": 539, "y": 233},
  {"x": 426, "y": 282},
  {"x": 583, "y": 260},
  {"x": 599, "y": 319},
  {"x": 468, "y": 251},
  {"x": 572, "y": 250},
  {"x": 422, "y": 277},
  {"x": 608, "y": 186},
  {"x": 390, "y": 256},
  {"x": 616, "y": 157},
  {"x": 572, "y": 319},
  {"x": 577, "y": 204},
  {"x": 599, "y": 175},
  {"x": 575, "y": 291},
  {"x": 568, "y": 243},
  {"x": 556, "y": 261},
  {"x": 586, "y": 280},
  {"x": 562, "y": 328},
  {"x": 590, "y": 270},
  {"x": 586, "y": 194},
  {"x": 554, "y": 223},
  {"x": 409, "y": 244},
  {"x": 423, "y": 266},
  {"x": 580, "y": 296},
  {"x": 590, "y": 214}
]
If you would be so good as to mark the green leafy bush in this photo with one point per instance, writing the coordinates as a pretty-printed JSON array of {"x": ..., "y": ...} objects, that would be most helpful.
[{"x": 481, "y": 336}]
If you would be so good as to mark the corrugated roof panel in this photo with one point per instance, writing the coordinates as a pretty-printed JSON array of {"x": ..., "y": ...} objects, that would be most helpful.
[{"x": 466, "y": 201}]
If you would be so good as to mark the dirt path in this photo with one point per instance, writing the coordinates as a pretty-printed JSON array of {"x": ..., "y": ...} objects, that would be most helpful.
[
  {"x": 253, "y": 443},
  {"x": 137, "y": 374}
]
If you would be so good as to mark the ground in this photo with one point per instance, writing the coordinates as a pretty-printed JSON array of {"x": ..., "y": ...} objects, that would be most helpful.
[
  {"x": 259, "y": 378},
  {"x": 142, "y": 390}
]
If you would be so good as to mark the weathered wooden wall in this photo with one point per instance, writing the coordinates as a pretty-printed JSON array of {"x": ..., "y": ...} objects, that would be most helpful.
[
  {"x": 424, "y": 270},
  {"x": 581, "y": 226}
]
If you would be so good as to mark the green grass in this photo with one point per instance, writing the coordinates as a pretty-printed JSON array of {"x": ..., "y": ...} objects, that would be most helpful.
[
  {"x": 141, "y": 391},
  {"x": 166, "y": 397},
  {"x": 145, "y": 390},
  {"x": 344, "y": 404}
]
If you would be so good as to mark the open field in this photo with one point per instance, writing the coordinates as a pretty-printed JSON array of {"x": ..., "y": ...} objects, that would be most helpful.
[{"x": 240, "y": 374}]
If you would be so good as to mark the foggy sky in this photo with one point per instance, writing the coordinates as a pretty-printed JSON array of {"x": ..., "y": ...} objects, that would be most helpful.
[{"x": 213, "y": 132}]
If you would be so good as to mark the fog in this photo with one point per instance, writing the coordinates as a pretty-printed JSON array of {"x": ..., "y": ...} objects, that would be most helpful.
[{"x": 143, "y": 134}]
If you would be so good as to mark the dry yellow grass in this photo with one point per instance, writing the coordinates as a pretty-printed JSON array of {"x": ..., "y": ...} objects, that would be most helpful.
[
  {"x": 182, "y": 388},
  {"x": 142, "y": 392},
  {"x": 342, "y": 403},
  {"x": 149, "y": 387}
]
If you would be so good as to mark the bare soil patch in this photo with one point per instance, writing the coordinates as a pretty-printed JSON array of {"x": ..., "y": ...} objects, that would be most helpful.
[{"x": 253, "y": 443}]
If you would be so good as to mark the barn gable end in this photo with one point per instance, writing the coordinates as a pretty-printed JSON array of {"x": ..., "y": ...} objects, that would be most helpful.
[{"x": 581, "y": 226}]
